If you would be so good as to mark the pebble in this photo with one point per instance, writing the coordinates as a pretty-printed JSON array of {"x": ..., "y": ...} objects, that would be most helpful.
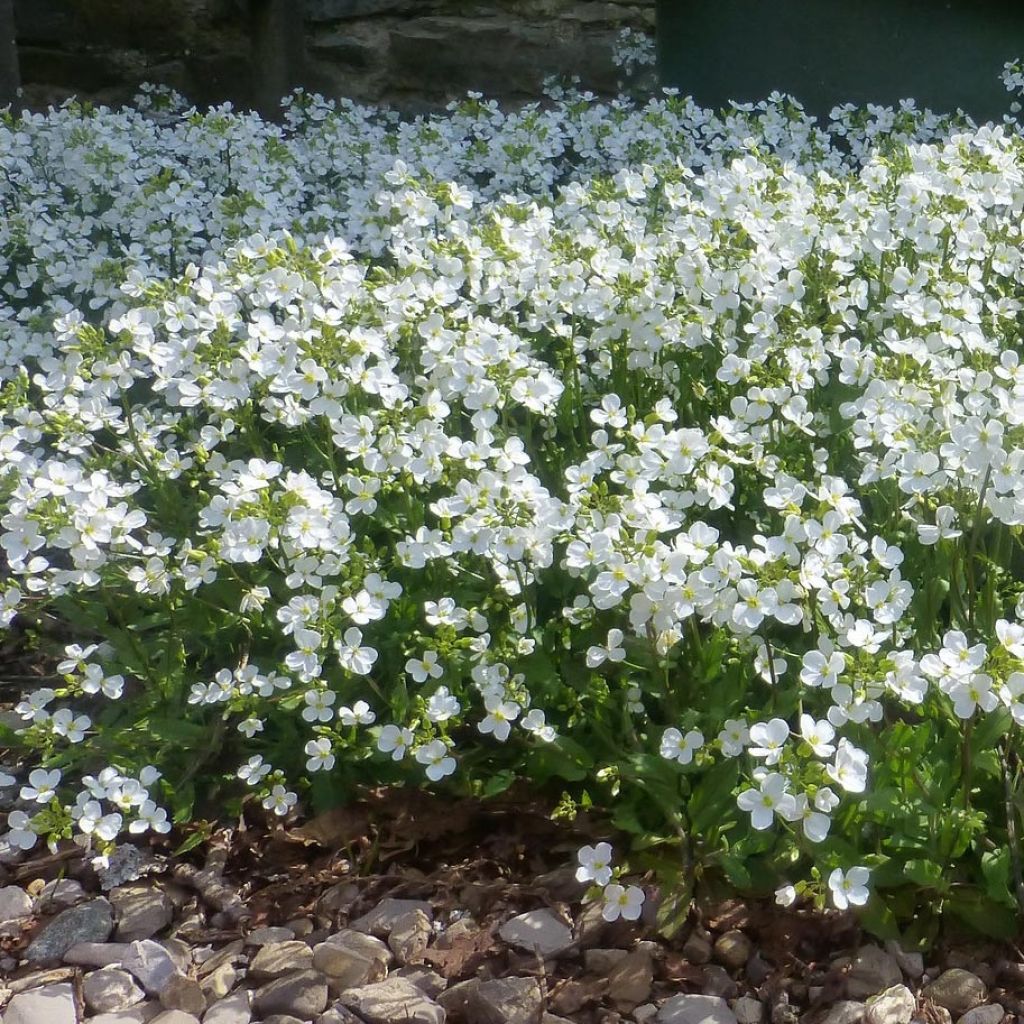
[
  {"x": 912, "y": 964},
  {"x": 346, "y": 966},
  {"x": 15, "y": 904},
  {"x": 424, "y": 979},
  {"x": 141, "y": 1014},
  {"x": 758, "y": 970},
  {"x": 383, "y": 917},
  {"x": 219, "y": 982},
  {"x": 747, "y": 1010},
  {"x": 732, "y": 949},
  {"x": 505, "y": 1001},
  {"x": 645, "y": 1013},
  {"x": 409, "y": 936},
  {"x": 264, "y": 936},
  {"x": 872, "y": 970},
  {"x": 716, "y": 981},
  {"x": 110, "y": 988},
  {"x": 181, "y": 993},
  {"x": 96, "y": 954},
  {"x": 277, "y": 958},
  {"x": 537, "y": 931},
  {"x": 957, "y": 990},
  {"x": 991, "y": 1014},
  {"x": 301, "y": 993},
  {"x": 393, "y": 1001},
  {"x": 697, "y": 948},
  {"x": 602, "y": 961},
  {"x": 175, "y": 1017},
  {"x": 895, "y": 1005},
  {"x": 336, "y": 1014},
  {"x": 846, "y": 1011},
  {"x": 88, "y": 922},
  {"x": 232, "y": 1009},
  {"x": 694, "y": 1009},
  {"x": 52, "y": 1004},
  {"x": 630, "y": 980},
  {"x": 60, "y": 894},
  {"x": 140, "y": 911},
  {"x": 151, "y": 964}
]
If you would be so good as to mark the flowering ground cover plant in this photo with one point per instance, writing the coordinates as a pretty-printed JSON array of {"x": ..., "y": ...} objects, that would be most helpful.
[{"x": 671, "y": 461}]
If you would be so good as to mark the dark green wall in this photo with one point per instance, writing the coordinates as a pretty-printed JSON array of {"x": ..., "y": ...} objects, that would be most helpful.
[{"x": 943, "y": 53}]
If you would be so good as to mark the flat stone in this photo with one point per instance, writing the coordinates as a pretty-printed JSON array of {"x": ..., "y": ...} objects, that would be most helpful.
[
  {"x": 140, "y": 911},
  {"x": 732, "y": 949},
  {"x": 694, "y": 1009},
  {"x": 15, "y": 904},
  {"x": 60, "y": 894},
  {"x": 871, "y": 970},
  {"x": 110, "y": 988},
  {"x": 51, "y": 1004},
  {"x": 747, "y": 1010},
  {"x": 301, "y": 993},
  {"x": 282, "y": 1018},
  {"x": 229, "y": 954},
  {"x": 141, "y": 1014},
  {"x": 266, "y": 935},
  {"x": 846, "y": 1011},
  {"x": 991, "y": 1014},
  {"x": 233, "y": 1009},
  {"x": 957, "y": 990},
  {"x": 424, "y": 979},
  {"x": 602, "y": 961},
  {"x": 630, "y": 980},
  {"x": 393, "y": 1001},
  {"x": 697, "y": 948},
  {"x": 96, "y": 954},
  {"x": 151, "y": 964},
  {"x": 180, "y": 953},
  {"x": 715, "y": 980},
  {"x": 218, "y": 983},
  {"x": 895, "y": 1005},
  {"x": 409, "y": 936},
  {"x": 277, "y": 958},
  {"x": 505, "y": 1001},
  {"x": 88, "y": 922},
  {"x": 912, "y": 964},
  {"x": 181, "y": 993},
  {"x": 537, "y": 931},
  {"x": 175, "y": 1017},
  {"x": 382, "y": 918},
  {"x": 337, "y": 1014}
]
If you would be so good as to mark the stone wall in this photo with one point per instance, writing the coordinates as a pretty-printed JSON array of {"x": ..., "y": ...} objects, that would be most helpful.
[{"x": 415, "y": 54}]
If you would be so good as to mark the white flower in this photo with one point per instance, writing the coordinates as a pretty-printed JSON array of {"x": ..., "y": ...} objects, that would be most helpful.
[
  {"x": 622, "y": 901},
  {"x": 427, "y": 667},
  {"x": 359, "y": 714},
  {"x": 850, "y": 887},
  {"x": 352, "y": 655},
  {"x": 42, "y": 785},
  {"x": 280, "y": 801},
  {"x": 785, "y": 895},
  {"x": 534, "y": 721},
  {"x": 850, "y": 767},
  {"x": 320, "y": 756},
  {"x": 765, "y": 802},
  {"x": 595, "y": 864},
  {"x": 319, "y": 705},
  {"x": 677, "y": 747},
  {"x": 500, "y": 713},
  {"x": 150, "y": 816},
  {"x": 254, "y": 771},
  {"x": 734, "y": 737},
  {"x": 441, "y": 705},
  {"x": 436, "y": 758},
  {"x": 20, "y": 834},
  {"x": 817, "y": 735},
  {"x": 394, "y": 741},
  {"x": 768, "y": 739}
]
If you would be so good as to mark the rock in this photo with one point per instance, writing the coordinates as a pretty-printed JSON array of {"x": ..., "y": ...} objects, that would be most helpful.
[
  {"x": 140, "y": 911},
  {"x": 847, "y": 1011},
  {"x": 60, "y": 894},
  {"x": 537, "y": 931},
  {"x": 345, "y": 967},
  {"x": 409, "y": 936},
  {"x": 505, "y": 1001},
  {"x": 748, "y": 1011},
  {"x": 991, "y": 1014},
  {"x": 181, "y": 993},
  {"x": 692, "y": 1009},
  {"x": 382, "y": 918},
  {"x": 232, "y": 1009},
  {"x": 871, "y": 970},
  {"x": 732, "y": 949},
  {"x": 51, "y": 1004},
  {"x": 141, "y": 1014},
  {"x": 175, "y": 1017},
  {"x": 912, "y": 964},
  {"x": 895, "y": 1005},
  {"x": 573, "y": 994},
  {"x": 301, "y": 993},
  {"x": 282, "y": 1018},
  {"x": 423, "y": 978},
  {"x": 151, "y": 964},
  {"x": 277, "y": 958},
  {"x": 336, "y": 1014},
  {"x": 180, "y": 953},
  {"x": 218, "y": 983},
  {"x": 957, "y": 990},
  {"x": 110, "y": 988},
  {"x": 697, "y": 948},
  {"x": 646, "y": 1012},
  {"x": 601, "y": 961},
  {"x": 229, "y": 954},
  {"x": 264, "y": 936},
  {"x": 300, "y": 927},
  {"x": 96, "y": 954},
  {"x": 590, "y": 926},
  {"x": 393, "y": 1001},
  {"x": 15, "y": 905},
  {"x": 88, "y": 922},
  {"x": 630, "y": 980},
  {"x": 454, "y": 1000},
  {"x": 716, "y": 981}
]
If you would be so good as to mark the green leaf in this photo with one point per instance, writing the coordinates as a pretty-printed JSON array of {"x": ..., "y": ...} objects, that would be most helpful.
[
  {"x": 995, "y": 867},
  {"x": 925, "y": 873},
  {"x": 985, "y": 916},
  {"x": 877, "y": 917}
]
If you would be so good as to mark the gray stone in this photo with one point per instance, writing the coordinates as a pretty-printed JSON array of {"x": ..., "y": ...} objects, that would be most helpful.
[
  {"x": 732, "y": 949},
  {"x": 893, "y": 1006},
  {"x": 110, "y": 988},
  {"x": 748, "y": 1011},
  {"x": 218, "y": 983},
  {"x": 15, "y": 904},
  {"x": 60, "y": 894},
  {"x": 912, "y": 964},
  {"x": 537, "y": 931},
  {"x": 643, "y": 1014},
  {"x": 175, "y": 1017},
  {"x": 846, "y": 1011},
  {"x": 337, "y": 1014},
  {"x": 630, "y": 980},
  {"x": 301, "y": 993},
  {"x": 140, "y": 911},
  {"x": 51, "y": 1004},
  {"x": 181, "y": 993},
  {"x": 601, "y": 961},
  {"x": 871, "y": 970},
  {"x": 277, "y": 958},
  {"x": 505, "y": 1001},
  {"x": 151, "y": 964},
  {"x": 692, "y": 1009},
  {"x": 991, "y": 1014},
  {"x": 409, "y": 936},
  {"x": 338, "y": 10},
  {"x": 141, "y": 1014},
  {"x": 232, "y": 1009},
  {"x": 282, "y": 1018},
  {"x": 957, "y": 990},
  {"x": 382, "y": 918},
  {"x": 697, "y": 948},
  {"x": 264, "y": 936},
  {"x": 393, "y": 1001},
  {"x": 96, "y": 954},
  {"x": 88, "y": 922},
  {"x": 425, "y": 979}
]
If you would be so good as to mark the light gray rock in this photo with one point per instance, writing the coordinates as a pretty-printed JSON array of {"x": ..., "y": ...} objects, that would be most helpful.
[
  {"x": 601, "y": 961},
  {"x": 151, "y": 963},
  {"x": 872, "y": 970},
  {"x": 747, "y": 1010},
  {"x": 110, "y": 988},
  {"x": 912, "y": 964},
  {"x": 277, "y": 958},
  {"x": 51, "y": 1004},
  {"x": 694, "y": 1009},
  {"x": 218, "y": 983},
  {"x": 233, "y": 1009},
  {"x": 847, "y": 1011},
  {"x": 175, "y": 1017},
  {"x": 337, "y": 1014},
  {"x": 697, "y": 948},
  {"x": 505, "y": 1001},
  {"x": 895, "y": 1005},
  {"x": 393, "y": 1001},
  {"x": 140, "y": 911},
  {"x": 991, "y": 1014},
  {"x": 957, "y": 990},
  {"x": 382, "y": 918},
  {"x": 88, "y": 922},
  {"x": 630, "y": 980},
  {"x": 181, "y": 993},
  {"x": 537, "y": 931},
  {"x": 141, "y": 1014},
  {"x": 60, "y": 894},
  {"x": 425, "y": 979},
  {"x": 732, "y": 949},
  {"x": 264, "y": 936},
  {"x": 644, "y": 1013},
  {"x": 409, "y": 936},
  {"x": 302, "y": 994},
  {"x": 96, "y": 954},
  {"x": 15, "y": 904}
]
